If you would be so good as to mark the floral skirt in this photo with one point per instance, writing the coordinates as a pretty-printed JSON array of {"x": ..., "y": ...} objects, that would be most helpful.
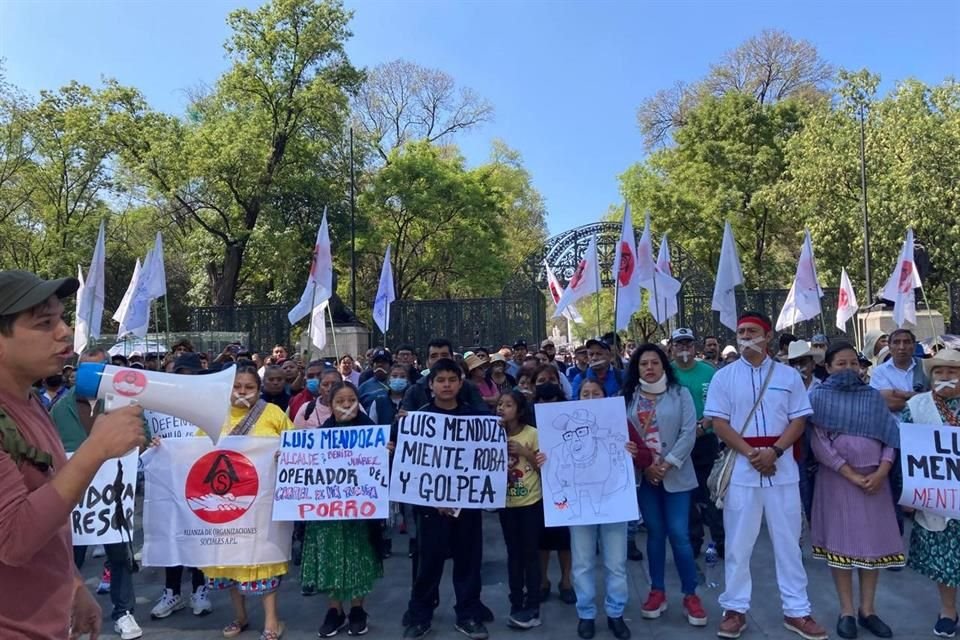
[
  {"x": 936, "y": 554},
  {"x": 339, "y": 559}
]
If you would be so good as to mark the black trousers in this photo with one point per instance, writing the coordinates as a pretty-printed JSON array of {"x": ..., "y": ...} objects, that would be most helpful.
[
  {"x": 437, "y": 537},
  {"x": 521, "y": 533},
  {"x": 704, "y": 512}
]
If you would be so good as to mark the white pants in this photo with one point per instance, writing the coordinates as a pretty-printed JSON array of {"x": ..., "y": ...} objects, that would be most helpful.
[{"x": 743, "y": 509}]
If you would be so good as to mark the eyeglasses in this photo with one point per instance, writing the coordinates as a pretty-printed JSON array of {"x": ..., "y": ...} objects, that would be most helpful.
[{"x": 579, "y": 433}]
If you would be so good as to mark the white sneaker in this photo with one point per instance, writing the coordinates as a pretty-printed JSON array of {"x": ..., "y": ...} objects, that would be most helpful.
[
  {"x": 168, "y": 604},
  {"x": 201, "y": 602},
  {"x": 127, "y": 627},
  {"x": 99, "y": 551}
]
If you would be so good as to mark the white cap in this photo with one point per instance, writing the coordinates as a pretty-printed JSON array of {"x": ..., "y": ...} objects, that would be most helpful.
[
  {"x": 682, "y": 334},
  {"x": 729, "y": 350}
]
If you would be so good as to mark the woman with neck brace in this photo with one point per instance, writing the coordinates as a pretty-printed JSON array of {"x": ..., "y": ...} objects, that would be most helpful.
[
  {"x": 663, "y": 413},
  {"x": 251, "y": 416},
  {"x": 341, "y": 558},
  {"x": 935, "y": 540}
]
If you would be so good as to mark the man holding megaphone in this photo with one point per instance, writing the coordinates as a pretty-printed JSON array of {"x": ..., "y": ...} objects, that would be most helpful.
[{"x": 38, "y": 486}]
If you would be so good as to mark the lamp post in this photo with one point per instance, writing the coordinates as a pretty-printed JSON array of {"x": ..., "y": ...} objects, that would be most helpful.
[{"x": 866, "y": 217}]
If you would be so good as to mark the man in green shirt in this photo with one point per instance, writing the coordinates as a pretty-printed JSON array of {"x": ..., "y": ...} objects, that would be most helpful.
[
  {"x": 74, "y": 418},
  {"x": 696, "y": 375}
]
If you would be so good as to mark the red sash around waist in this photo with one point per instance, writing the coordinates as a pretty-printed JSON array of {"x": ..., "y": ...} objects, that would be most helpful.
[{"x": 769, "y": 441}]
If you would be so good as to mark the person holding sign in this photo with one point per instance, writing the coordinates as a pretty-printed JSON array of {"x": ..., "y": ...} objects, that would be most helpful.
[
  {"x": 316, "y": 410},
  {"x": 341, "y": 557},
  {"x": 522, "y": 519},
  {"x": 662, "y": 411},
  {"x": 39, "y": 487},
  {"x": 442, "y": 532},
  {"x": 935, "y": 539},
  {"x": 854, "y": 439},
  {"x": 251, "y": 416}
]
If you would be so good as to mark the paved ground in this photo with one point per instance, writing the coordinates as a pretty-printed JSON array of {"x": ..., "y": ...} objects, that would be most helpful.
[{"x": 906, "y": 601}]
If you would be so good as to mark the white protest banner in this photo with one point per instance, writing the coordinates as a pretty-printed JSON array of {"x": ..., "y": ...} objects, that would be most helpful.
[
  {"x": 930, "y": 460},
  {"x": 450, "y": 461},
  {"x": 94, "y": 519},
  {"x": 209, "y": 505},
  {"x": 163, "y": 426},
  {"x": 588, "y": 477},
  {"x": 338, "y": 473}
]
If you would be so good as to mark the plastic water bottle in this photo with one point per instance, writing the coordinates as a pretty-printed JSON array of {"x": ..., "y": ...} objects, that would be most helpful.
[{"x": 711, "y": 563}]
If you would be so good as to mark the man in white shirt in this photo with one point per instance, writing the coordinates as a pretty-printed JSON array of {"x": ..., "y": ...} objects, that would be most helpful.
[
  {"x": 901, "y": 377},
  {"x": 765, "y": 482}
]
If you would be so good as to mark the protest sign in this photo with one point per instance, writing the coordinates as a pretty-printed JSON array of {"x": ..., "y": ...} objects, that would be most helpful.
[
  {"x": 94, "y": 518},
  {"x": 930, "y": 461},
  {"x": 450, "y": 461},
  {"x": 339, "y": 473},
  {"x": 163, "y": 426},
  {"x": 588, "y": 477},
  {"x": 209, "y": 505}
]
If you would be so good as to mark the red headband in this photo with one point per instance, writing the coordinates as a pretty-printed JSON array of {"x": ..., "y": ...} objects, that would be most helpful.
[{"x": 757, "y": 321}]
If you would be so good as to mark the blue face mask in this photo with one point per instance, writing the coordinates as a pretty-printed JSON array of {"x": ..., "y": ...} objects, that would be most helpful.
[
  {"x": 313, "y": 386},
  {"x": 398, "y": 384}
]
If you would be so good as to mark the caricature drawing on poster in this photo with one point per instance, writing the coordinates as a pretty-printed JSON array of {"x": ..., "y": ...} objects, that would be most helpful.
[{"x": 588, "y": 477}]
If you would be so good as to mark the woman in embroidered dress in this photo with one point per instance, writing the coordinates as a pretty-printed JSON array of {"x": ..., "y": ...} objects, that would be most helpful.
[
  {"x": 935, "y": 540},
  {"x": 663, "y": 413},
  {"x": 341, "y": 557},
  {"x": 251, "y": 416},
  {"x": 853, "y": 524}
]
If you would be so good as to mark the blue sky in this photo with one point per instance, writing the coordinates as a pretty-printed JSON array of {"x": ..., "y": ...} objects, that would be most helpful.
[{"x": 564, "y": 76}]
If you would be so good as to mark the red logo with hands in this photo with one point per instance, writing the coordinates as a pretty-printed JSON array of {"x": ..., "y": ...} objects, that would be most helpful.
[
  {"x": 577, "y": 278},
  {"x": 906, "y": 277},
  {"x": 222, "y": 486},
  {"x": 627, "y": 264}
]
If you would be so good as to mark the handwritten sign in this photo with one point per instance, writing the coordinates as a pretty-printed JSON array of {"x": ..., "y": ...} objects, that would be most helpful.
[
  {"x": 930, "y": 460},
  {"x": 450, "y": 461},
  {"x": 94, "y": 519},
  {"x": 163, "y": 426},
  {"x": 589, "y": 476},
  {"x": 333, "y": 474}
]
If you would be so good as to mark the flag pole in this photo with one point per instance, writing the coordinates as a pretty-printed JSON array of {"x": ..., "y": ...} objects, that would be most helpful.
[
  {"x": 313, "y": 304},
  {"x": 166, "y": 315},
  {"x": 333, "y": 333},
  {"x": 599, "y": 283},
  {"x": 934, "y": 337}
]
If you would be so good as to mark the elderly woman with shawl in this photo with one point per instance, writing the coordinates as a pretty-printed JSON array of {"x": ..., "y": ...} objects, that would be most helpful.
[{"x": 853, "y": 524}]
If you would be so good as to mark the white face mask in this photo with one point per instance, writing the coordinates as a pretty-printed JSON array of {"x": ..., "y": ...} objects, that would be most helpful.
[
  {"x": 684, "y": 356},
  {"x": 656, "y": 388},
  {"x": 940, "y": 385},
  {"x": 744, "y": 345},
  {"x": 346, "y": 412},
  {"x": 242, "y": 400}
]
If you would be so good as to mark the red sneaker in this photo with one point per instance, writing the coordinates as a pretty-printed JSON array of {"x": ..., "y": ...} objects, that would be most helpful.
[
  {"x": 696, "y": 614},
  {"x": 732, "y": 625},
  {"x": 104, "y": 586},
  {"x": 655, "y": 605}
]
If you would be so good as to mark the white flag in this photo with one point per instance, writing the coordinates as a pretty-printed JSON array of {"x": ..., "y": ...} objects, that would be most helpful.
[
  {"x": 319, "y": 285},
  {"x": 847, "y": 306},
  {"x": 570, "y": 313},
  {"x": 627, "y": 273},
  {"x": 90, "y": 297},
  {"x": 318, "y": 325},
  {"x": 585, "y": 280},
  {"x": 385, "y": 295},
  {"x": 803, "y": 299},
  {"x": 900, "y": 287},
  {"x": 154, "y": 271},
  {"x": 664, "y": 305},
  {"x": 646, "y": 267},
  {"x": 729, "y": 275},
  {"x": 133, "y": 314}
]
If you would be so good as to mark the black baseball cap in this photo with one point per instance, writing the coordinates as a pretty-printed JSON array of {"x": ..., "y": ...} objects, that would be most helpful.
[
  {"x": 381, "y": 355},
  {"x": 597, "y": 342},
  {"x": 188, "y": 361},
  {"x": 22, "y": 290},
  {"x": 520, "y": 344}
]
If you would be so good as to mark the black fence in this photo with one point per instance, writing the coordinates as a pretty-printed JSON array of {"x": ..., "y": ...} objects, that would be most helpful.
[{"x": 266, "y": 325}]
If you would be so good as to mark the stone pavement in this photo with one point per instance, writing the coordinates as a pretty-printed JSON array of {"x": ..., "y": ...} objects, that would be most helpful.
[{"x": 906, "y": 601}]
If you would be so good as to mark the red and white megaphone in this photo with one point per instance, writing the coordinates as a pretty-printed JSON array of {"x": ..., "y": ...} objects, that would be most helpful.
[{"x": 203, "y": 400}]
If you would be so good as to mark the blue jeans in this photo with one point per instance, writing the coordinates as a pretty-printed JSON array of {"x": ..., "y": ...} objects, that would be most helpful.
[
  {"x": 613, "y": 547},
  {"x": 121, "y": 578},
  {"x": 667, "y": 515}
]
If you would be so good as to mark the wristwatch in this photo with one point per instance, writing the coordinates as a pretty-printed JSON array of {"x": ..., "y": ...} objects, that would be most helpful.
[{"x": 777, "y": 450}]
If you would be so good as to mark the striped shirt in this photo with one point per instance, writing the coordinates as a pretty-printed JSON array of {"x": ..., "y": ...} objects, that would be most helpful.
[{"x": 733, "y": 392}]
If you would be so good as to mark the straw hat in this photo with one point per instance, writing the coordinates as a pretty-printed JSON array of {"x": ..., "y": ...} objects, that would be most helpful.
[
  {"x": 801, "y": 349},
  {"x": 943, "y": 358},
  {"x": 496, "y": 357},
  {"x": 473, "y": 361}
]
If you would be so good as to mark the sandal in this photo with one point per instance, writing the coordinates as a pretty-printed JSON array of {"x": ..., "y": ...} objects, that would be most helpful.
[
  {"x": 273, "y": 635},
  {"x": 235, "y": 628}
]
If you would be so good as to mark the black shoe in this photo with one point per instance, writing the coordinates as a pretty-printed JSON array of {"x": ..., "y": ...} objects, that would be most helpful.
[
  {"x": 568, "y": 595},
  {"x": 586, "y": 629},
  {"x": 847, "y": 627},
  {"x": 357, "y": 622},
  {"x": 486, "y": 615},
  {"x": 945, "y": 627},
  {"x": 633, "y": 552},
  {"x": 416, "y": 631},
  {"x": 619, "y": 628},
  {"x": 875, "y": 625},
  {"x": 524, "y": 619},
  {"x": 333, "y": 623},
  {"x": 306, "y": 592},
  {"x": 472, "y": 629}
]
